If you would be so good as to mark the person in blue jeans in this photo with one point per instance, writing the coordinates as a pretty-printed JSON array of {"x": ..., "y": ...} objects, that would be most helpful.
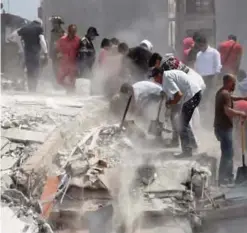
[{"x": 223, "y": 126}]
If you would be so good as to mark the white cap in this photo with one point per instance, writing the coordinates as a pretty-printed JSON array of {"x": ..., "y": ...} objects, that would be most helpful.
[{"x": 148, "y": 44}]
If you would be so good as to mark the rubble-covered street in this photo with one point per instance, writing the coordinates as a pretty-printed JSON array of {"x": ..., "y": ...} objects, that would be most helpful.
[{"x": 66, "y": 167}]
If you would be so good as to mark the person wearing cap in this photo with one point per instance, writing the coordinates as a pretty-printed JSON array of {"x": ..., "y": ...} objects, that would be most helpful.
[
  {"x": 181, "y": 89},
  {"x": 140, "y": 56},
  {"x": 86, "y": 53},
  {"x": 56, "y": 33},
  {"x": 31, "y": 41}
]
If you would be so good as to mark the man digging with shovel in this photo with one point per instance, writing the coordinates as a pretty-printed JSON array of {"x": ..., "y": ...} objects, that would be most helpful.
[
  {"x": 181, "y": 89},
  {"x": 143, "y": 94}
]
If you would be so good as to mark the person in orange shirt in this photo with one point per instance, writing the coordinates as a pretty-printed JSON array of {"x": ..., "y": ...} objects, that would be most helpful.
[
  {"x": 231, "y": 53},
  {"x": 67, "y": 47}
]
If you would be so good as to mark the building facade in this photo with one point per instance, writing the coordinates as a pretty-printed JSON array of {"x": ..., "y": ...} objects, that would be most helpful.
[
  {"x": 129, "y": 20},
  {"x": 164, "y": 22},
  {"x": 216, "y": 18}
]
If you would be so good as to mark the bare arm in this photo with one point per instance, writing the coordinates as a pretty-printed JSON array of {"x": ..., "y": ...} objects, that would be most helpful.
[
  {"x": 176, "y": 99},
  {"x": 43, "y": 43},
  {"x": 229, "y": 111},
  {"x": 237, "y": 98}
]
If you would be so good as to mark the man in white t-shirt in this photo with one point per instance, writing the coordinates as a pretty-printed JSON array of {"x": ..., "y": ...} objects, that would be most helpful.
[
  {"x": 143, "y": 93},
  {"x": 180, "y": 88},
  {"x": 170, "y": 62}
]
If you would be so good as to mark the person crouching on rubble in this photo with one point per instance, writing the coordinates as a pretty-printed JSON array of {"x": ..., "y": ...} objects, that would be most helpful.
[
  {"x": 181, "y": 89},
  {"x": 67, "y": 47},
  {"x": 144, "y": 93},
  {"x": 223, "y": 126}
]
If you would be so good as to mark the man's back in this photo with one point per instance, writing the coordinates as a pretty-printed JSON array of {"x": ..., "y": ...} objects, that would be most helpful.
[
  {"x": 231, "y": 53},
  {"x": 140, "y": 58},
  {"x": 30, "y": 36},
  {"x": 177, "y": 80},
  {"x": 144, "y": 89}
]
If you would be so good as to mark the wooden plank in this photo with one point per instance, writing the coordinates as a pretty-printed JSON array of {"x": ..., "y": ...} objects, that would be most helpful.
[
  {"x": 48, "y": 196},
  {"x": 21, "y": 135}
]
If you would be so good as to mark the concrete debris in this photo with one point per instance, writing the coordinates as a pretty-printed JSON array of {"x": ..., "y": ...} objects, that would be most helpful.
[
  {"x": 22, "y": 213},
  {"x": 19, "y": 135}
]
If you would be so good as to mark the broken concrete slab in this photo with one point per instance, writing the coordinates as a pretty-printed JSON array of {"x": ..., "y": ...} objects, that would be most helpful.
[
  {"x": 4, "y": 142},
  {"x": 8, "y": 163},
  {"x": 20, "y": 135}
]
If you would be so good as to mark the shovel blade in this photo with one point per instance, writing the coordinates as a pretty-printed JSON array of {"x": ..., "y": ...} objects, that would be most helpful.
[
  {"x": 241, "y": 175},
  {"x": 155, "y": 128}
]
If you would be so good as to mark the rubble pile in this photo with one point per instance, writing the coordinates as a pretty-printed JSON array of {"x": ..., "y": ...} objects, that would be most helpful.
[
  {"x": 37, "y": 120},
  {"x": 24, "y": 213}
]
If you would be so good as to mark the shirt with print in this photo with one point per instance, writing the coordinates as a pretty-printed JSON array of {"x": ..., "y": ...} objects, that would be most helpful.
[
  {"x": 145, "y": 89},
  {"x": 86, "y": 53},
  {"x": 177, "y": 80},
  {"x": 221, "y": 120}
]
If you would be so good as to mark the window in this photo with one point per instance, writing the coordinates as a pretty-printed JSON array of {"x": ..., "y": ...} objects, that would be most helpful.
[
  {"x": 199, "y": 6},
  {"x": 171, "y": 9}
]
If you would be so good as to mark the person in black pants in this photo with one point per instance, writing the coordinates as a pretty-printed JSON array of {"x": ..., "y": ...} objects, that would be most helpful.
[{"x": 33, "y": 41}]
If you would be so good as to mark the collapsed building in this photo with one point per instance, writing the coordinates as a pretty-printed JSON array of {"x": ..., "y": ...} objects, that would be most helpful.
[{"x": 69, "y": 171}]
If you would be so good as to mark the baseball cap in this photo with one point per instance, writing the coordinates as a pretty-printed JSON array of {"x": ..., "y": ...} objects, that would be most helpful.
[{"x": 92, "y": 31}]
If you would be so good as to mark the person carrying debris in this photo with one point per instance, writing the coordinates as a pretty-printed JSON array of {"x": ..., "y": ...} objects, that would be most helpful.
[
  {"x": 68, "y": 46},
  {"x": 181, "y": 89},
  {"x": 31, "y": 42},
  {"x": 223, "y": 126},
  {"x": 231, "y": 54},
  {"x": 56, "y": 33},
  {"x": 143, "y": 94},
  {"x": 86, "y": 54}
]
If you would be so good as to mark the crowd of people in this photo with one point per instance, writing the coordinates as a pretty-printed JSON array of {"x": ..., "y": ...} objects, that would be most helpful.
[{"x": 187, "y": 80}]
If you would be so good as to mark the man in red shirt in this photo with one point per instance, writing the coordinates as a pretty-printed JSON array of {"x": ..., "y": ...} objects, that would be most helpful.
[
  {"x": 67, "y": 47},
  {"x": 231, "y": 53}
]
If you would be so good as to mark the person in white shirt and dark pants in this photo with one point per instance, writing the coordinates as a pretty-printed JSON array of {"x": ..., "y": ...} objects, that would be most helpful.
[{"x": 208, "y": 65}]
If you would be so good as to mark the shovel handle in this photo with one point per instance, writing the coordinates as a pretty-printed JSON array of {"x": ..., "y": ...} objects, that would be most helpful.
[
  {"x": 125, "y": 112},
  {"x": 243, "y": 142},
  {"x": 160, "y": 105}
]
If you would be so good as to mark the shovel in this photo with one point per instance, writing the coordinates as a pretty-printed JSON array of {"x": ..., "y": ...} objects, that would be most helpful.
[
  {"x": 125, "y": 113},
  {"x": 156, "y": 127},
  {"x": 242, "y": 171}
]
